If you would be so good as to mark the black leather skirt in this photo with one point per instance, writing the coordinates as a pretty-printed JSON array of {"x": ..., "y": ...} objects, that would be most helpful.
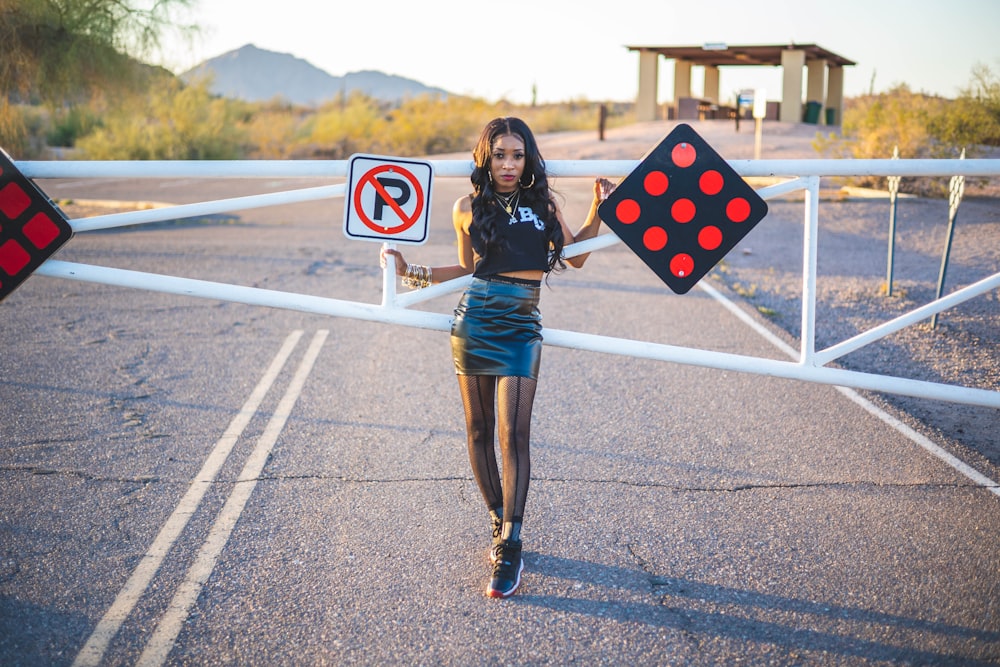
[{"x": 497, "y": 329}]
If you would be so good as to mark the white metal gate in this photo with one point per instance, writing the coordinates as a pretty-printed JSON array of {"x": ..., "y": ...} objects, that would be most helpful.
[{"x": 811, "y": 366}]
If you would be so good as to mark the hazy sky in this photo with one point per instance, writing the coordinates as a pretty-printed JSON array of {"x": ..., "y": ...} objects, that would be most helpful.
[{"x": 571, "y": 49}]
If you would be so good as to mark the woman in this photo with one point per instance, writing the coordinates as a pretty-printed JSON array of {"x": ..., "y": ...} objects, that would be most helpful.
[{"x": 510, "y": 233}]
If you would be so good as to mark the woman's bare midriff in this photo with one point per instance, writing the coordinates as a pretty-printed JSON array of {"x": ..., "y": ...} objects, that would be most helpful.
[{"x": 524, "y": 275}]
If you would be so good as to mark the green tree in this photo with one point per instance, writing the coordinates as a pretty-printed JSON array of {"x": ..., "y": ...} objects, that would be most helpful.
[{"x": 64, "y": 51}]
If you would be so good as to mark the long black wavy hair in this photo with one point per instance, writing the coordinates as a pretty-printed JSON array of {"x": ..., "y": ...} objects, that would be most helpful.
[{"x": 534, "y": 186}]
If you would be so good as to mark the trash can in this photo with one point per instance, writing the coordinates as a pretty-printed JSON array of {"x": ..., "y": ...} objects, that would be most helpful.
[
  {"x": 831, "y": 116},
  {"x": 812, "y": 112}
]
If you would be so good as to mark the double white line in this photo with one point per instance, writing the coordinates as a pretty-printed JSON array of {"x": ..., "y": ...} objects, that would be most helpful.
[{"x": 166, "y": 632}]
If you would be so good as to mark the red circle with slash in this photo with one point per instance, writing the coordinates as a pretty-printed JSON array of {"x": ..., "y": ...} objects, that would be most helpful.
[{"x": 369, "y": 179}]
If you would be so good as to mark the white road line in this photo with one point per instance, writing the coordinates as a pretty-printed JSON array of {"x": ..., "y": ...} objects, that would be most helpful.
[
  {"x": 936, "y": 450},
  {"x": 169, "y": 627},
  {"x": 925, "y": 442},
  {"x": 748, "y": 320},
  {"x": 97, "y": 644}
]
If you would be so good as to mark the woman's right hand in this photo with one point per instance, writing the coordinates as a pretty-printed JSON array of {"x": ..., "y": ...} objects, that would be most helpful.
[{"x": 397, "y": 257}]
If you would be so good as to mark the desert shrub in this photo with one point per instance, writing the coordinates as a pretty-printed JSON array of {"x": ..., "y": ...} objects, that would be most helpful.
[
  {"x": 571, "y": 116},
  {"x": 22, "y": 130},
  {"x": 975, "y": 119},
  {"x": 423, "y": 125},
  {"x": 921, "y": 126},
  {"x": 172, "y": 121},
  {"x": 426, "y": 125},
  {"x": 13, "y": 136},
  {"x": 274, "y": 130},
  {"x": 70, "y": 124},
  {"x": 355, "y": 124},
  {"x": 429, "y": 125}
]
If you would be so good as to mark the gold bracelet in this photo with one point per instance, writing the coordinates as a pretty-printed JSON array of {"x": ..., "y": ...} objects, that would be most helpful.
[{"x": 417, "y": 276}]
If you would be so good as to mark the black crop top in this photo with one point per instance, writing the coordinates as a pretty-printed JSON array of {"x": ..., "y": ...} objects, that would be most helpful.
[{"x": 523, "y": 244}]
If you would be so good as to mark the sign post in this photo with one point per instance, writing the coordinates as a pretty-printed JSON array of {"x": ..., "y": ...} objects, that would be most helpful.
[{"x": 759, "y": 112}]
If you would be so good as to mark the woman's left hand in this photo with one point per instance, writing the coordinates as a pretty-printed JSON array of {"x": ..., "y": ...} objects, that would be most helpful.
[{"x": 602, "y": 189}]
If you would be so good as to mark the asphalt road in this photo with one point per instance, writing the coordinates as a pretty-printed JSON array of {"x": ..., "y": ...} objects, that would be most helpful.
[{"x": 193, "y": 482}]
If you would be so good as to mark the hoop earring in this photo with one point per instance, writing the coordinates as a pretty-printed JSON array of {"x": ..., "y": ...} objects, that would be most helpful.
[{"x": 529, "y": 185}]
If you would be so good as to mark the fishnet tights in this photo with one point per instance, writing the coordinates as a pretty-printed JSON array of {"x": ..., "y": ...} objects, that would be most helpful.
[{"x": 485, "y": 397}]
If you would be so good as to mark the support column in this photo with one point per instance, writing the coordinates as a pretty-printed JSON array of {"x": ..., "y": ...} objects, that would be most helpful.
[
  {"x": 645, "y": 103},
  {"x": 712, "y": 83},
  {"x": 816, "y": 85},
  {"x": 835, "y": 94},
  {"x": 682, "y": 79},
  {"x": 792, "y": 62}
]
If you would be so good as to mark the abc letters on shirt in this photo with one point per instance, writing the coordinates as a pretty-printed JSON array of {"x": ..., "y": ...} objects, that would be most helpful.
[{"x": 526, "y": 214}]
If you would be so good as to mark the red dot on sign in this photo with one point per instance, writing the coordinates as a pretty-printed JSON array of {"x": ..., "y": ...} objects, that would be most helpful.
[
  {"x": 13, "y": 257},
  {"x": 654, "y": 238},
  {"x": 40, "y": 230},
  {"x": 681, "y": 265},
  {"x": 683, "y": 210},
  {"x": 738, "y": 209},
  {"x": 627, "y": 211},
  {"x": 710, "y": 237},
  {"x": 710, "y": 182},
  {"x": 683, "y": 154},
  {"x": 655, "y": 183},
  {"x": 13, "y": 200}
]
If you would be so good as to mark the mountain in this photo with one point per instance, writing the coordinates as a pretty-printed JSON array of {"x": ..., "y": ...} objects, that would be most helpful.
[{"x": 255, "y": 75}]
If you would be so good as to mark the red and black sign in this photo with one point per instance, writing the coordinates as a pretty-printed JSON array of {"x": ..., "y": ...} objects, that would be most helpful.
[
  {"x": 682, "y": 209},
  {"x": 32, "y": 228}
]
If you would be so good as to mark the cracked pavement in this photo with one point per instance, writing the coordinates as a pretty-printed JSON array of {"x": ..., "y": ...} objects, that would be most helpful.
[{"x": 677, "y": 515}]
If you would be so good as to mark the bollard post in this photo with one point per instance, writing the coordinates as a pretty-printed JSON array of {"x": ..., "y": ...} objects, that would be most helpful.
[
  {"x": 893, "y": 184},
  {"x": 602, "y": 120},
  {"x": 956, "y": 188}
]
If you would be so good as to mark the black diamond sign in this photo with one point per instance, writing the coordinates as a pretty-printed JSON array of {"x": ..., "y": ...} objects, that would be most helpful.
[
  {"x": 32, "y": 228},
  {"x": 682, "y": 209}
]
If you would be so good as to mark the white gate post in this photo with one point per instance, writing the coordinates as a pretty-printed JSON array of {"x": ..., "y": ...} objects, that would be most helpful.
[{"x": 809, "y": 252}]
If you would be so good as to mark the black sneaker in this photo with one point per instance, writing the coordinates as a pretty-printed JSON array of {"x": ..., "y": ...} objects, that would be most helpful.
[
  {"x": 507, "y": 570},
  {"x": 495, "y": 546}
]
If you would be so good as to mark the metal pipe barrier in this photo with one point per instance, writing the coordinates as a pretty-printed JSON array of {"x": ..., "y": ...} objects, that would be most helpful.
[{"x": 804, "y": 175}]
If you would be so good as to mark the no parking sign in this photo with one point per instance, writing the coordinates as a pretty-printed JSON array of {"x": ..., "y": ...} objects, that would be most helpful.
[{"x": 388, "y": 199}]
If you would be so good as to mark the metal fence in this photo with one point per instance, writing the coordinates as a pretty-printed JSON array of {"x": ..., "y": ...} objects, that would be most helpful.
[{"x": 812, "y": 365}]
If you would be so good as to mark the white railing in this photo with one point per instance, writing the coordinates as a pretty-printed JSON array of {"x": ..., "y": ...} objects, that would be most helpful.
[{"x": 811, "y": 366}]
